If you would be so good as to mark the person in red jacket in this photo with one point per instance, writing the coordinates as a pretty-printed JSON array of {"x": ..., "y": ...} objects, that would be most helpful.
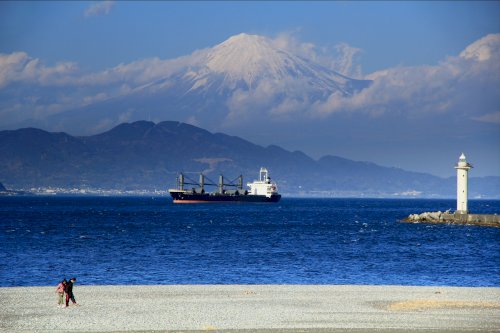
[
  {"x": 60, "y": 292},
  {"x": 69, "y": 292}
]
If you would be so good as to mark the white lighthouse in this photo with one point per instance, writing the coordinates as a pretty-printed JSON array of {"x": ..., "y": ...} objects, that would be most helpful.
[{"x": 462, "y": 173}]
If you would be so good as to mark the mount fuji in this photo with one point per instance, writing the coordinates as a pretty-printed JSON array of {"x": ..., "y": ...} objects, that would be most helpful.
[{"x": 243, "y": 79}]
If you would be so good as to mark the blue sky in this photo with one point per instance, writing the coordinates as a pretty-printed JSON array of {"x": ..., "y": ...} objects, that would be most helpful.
[
  {"x": 414, "y": 52},
  {"x": 389, "y": 33}
]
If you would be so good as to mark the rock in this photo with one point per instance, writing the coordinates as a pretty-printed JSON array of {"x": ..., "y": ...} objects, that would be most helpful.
[
  {"x": 434, "y": 216},
  {"x": 426, "y": 217}
]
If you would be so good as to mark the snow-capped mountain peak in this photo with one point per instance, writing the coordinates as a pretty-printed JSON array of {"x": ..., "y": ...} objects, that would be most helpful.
[
  {"x": 246, "y": 57},
  {"x": 244, "y": 60}
]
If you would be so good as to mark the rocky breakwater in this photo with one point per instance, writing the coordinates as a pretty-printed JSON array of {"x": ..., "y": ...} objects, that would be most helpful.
[{"x": 487, "y": 220}]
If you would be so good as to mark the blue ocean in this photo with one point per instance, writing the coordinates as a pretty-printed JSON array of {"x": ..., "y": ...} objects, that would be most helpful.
[{"x": 150, "y": 240}]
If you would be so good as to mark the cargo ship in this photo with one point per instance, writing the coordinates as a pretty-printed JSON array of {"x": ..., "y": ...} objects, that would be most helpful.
[{"x": 261, "y": 190}]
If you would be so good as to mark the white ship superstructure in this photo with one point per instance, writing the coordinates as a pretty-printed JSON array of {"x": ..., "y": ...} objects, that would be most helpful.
[{"x": 263, "y": 186}]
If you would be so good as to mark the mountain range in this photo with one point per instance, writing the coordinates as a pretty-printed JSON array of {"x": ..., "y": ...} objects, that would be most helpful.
[
  {"x": 277, "y": 90},
  {"x": 146, "y": 156}
]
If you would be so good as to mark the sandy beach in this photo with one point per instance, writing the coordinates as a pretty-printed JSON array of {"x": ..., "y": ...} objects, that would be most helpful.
[{"x": 253, "y": 308}]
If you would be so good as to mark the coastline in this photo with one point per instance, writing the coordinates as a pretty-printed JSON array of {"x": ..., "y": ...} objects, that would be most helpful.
[{"x": 253, "y": 308}]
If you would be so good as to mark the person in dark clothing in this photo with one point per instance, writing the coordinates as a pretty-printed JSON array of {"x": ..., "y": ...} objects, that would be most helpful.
[{"x": 69, "y": 292}]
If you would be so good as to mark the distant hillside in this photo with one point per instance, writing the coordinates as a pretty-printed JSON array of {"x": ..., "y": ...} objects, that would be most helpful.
[{"x": 145, "y": 155}]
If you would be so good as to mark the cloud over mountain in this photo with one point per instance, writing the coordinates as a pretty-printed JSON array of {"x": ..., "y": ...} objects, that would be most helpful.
[
  {"x": 19, "y": 67},
  {"x": 467, "y": 84},
  {"x": 471, "y": 76}
]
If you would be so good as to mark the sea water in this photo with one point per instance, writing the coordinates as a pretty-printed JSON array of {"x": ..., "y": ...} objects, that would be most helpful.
[{"x": 149, "y": 240}]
